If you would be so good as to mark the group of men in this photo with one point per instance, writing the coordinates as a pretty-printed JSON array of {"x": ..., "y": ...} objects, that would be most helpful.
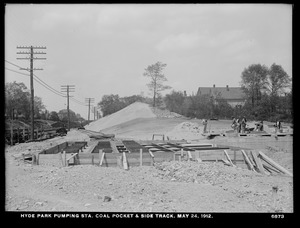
[{"x": 239, "y": 124}]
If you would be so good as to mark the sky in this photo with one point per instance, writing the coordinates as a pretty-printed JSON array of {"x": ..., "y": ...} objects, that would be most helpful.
[{"x": 104, "y": 49}]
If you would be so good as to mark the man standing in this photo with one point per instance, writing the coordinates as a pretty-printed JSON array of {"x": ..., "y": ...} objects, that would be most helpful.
[{"x": 204, "y": 122}]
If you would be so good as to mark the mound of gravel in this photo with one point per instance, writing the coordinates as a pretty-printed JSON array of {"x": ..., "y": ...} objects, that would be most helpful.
[{"x": 133, "y": 111}]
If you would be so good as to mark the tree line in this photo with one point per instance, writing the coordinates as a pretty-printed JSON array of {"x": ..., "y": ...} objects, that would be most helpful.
[
  {"x": 17, "y": 106},
  {"x": 268, "y": 96}
]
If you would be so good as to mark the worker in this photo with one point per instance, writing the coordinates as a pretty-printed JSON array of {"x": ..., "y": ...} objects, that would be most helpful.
[
  {"x": 260, "y": 126},
  {"x": 233, "y": 124},
  {"x": 238, "y": 125},
  {"x": 277, "y": 126},
  {"x": 243, "y": 125},
  {"x": 204, "y": 122}
]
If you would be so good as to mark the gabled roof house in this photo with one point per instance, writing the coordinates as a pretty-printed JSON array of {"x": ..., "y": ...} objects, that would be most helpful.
[{"x": 233, "y": 95}]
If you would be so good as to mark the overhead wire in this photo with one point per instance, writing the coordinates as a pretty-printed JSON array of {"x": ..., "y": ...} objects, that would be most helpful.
[{"x": 44, "y": 84}]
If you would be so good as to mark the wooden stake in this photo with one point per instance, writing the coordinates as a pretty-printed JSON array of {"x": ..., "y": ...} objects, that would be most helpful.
[
  {"x": 61, "y": 158},
  {"x": 274, "y": 164},
  {"x": 228, "y": 158},
  {"x": 100, "y": 156},
  {"x": 152, "y": 158},
  {"x": 65, "y": 158},
  {"x": 125, "y": 164},
  {"x": 37, "y": 158},
  {"x": 33, "y": 159},
  {"x": 258, "y": 162},
  {"x": 189, "y": 155},
  {"x": 249, "y": 164},
  {"x": 141, "y": 157},
  {"x": 181, "y": 154}
]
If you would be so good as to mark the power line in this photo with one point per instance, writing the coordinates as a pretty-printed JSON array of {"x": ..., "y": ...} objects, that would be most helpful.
[
  {"x": 17, "y": 72},
  {"x": 44, "y": 84},
  {"x": 41, "y": 82}
]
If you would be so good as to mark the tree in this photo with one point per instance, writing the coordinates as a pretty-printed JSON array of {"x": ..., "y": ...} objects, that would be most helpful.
[
  {"x": 254, "y": 80},
  {"x": 17, "y": 98},
  {"x": 54, "y": 116},
  {"x": 38, "y": 107},
  {"x": 278, "y": 80},
  {"x": 174, "y": 101},
  {"x": 110, "y": 104},
  {"x": 157, "y": 78}
]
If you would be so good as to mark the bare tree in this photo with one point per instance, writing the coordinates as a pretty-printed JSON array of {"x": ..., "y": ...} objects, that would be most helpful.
[{"x": 155, "y": 73}]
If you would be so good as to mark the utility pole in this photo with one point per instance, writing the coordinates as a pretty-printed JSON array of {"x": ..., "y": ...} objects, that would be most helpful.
[
  {"x": 31, "y": 58},
  {"x": 89, "y": 100},
  {"x": 94, "y": 112},
  {"x": 68, "y": 89}
]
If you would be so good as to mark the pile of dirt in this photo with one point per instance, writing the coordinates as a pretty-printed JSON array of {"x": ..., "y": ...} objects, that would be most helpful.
[
  {"x": 133, "y": 111},
  {"x": 254, "y": 188},
  {"x": 203, "y": 172}
]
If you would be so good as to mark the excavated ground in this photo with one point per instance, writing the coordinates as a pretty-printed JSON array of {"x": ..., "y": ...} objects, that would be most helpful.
[{"x": 186, "y": 186}]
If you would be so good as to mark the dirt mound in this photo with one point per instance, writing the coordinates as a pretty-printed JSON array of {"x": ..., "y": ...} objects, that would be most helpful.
[
  {"x": 204, "y": 172},
  {"x": 133, "y": 111}
]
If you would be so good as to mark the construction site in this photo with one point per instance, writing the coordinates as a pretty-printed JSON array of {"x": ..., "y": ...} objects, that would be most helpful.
[{"x": 144, "y": 159}]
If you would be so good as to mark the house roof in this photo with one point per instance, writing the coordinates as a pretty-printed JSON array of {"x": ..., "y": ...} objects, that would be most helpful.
[{"x": 227, "y": 93}]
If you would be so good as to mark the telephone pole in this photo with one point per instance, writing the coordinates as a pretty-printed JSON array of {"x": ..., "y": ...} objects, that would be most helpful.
[
  {"x": 30, "y": 51},
  {"x": 94, "y": 112},
  {"x": 68, "y": 89},
  {"x": 89, "y": 100}
]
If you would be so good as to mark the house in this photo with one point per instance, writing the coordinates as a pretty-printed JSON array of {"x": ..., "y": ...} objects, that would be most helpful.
[{"x": 233, "y": 95}]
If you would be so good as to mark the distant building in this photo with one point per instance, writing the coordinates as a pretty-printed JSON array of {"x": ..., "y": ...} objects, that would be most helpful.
[{"x": 233, "y": 95}]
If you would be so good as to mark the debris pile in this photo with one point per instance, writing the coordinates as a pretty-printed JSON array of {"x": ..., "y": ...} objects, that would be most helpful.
[{"x": 202, "y": 173}]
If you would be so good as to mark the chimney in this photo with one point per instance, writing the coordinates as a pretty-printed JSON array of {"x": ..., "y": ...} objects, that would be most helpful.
[{"x": 227, "y": 87}]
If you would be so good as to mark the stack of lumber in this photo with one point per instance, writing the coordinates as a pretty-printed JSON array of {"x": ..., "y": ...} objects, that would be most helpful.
[{"x": 261, "y": 163}]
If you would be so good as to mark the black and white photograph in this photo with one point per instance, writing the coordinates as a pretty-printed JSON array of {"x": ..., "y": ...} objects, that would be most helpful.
[{"x": 148, "y": 111}]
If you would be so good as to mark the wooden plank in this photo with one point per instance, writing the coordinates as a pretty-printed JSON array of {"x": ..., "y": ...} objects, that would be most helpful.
[
  {"x": 152, "y": 157},
  {"x": 65, "y": 158},
  {"x": 141, "y": 157},
  {"x": 228, "y": 158},
  {"x": 258, "y": 162},
  {"x": 270, "y": 168},
  {"x": 189, "y": 155},
  {"x": 102, "y": 158},
  {"x": 249, "y": 164},
  {"x": 274, "y": 164},
  {"x": 125, "y": 164},
  {"x": 226, "y": 162}
]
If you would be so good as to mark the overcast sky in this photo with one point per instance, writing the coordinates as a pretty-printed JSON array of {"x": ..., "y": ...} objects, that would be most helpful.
[{"x": 104, "y": 49}]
